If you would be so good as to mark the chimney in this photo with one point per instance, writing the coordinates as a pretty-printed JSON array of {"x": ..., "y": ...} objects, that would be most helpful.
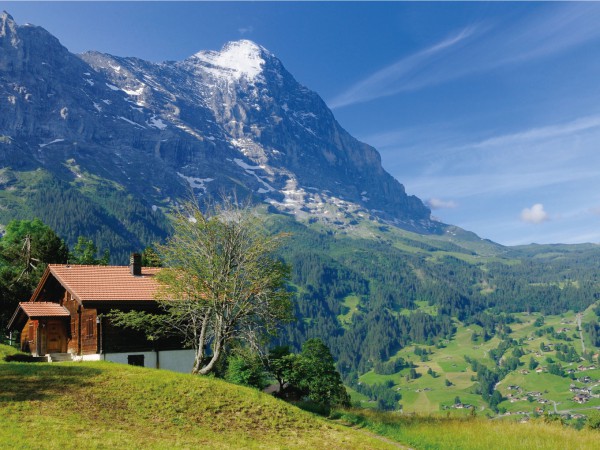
[{"x": 135, "y": 264}]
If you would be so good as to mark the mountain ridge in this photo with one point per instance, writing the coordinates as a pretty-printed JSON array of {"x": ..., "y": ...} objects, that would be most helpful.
[
  {"x": 253, "y": 122},
  {"x": 217, "y": 121}
]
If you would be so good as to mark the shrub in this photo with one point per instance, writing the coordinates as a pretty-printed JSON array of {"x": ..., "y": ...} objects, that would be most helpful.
[
  {"x": 247, "y": 370},
  {"x": 593, "y": 420}
]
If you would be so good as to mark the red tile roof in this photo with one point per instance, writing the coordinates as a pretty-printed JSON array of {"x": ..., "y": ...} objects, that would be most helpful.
[
  {"x": 106, "y": 283},
  {"x": 43, "y": 309}
]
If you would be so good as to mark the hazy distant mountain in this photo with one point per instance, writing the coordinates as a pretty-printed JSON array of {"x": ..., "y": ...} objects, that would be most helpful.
[{"x": 215, "y": 121}]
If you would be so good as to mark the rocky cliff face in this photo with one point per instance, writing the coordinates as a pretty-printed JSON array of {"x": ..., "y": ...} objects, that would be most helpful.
[{"x": 217, "y": 121}]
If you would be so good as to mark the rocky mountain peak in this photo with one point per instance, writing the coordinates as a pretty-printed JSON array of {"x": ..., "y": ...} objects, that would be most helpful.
[
  {"x": 236, "y": 59},
  {"x": 8, "y": 28},
  {"x": 218, "y": 121},
  {"x": 5, "y": 16}
]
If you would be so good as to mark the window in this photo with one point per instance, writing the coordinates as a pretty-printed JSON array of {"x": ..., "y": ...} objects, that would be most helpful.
[
  {"x": 90, "y": 324},
  {"x": 135, "y": 360}
]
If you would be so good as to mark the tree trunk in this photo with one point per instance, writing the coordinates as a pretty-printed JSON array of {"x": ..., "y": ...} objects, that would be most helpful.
[
  {"x": 201, "y": 345},
  {"x": 216, "y": 355},
  {"x": 218, "y": 345}
]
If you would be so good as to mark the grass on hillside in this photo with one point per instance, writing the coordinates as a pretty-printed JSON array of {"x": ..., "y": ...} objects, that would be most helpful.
[
  {"x": 466, "y": 433},
  {"x": 349, "y": 307},
  {"x": 106, "y": 405}
]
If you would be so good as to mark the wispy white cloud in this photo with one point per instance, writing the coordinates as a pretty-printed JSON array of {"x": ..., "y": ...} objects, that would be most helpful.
[
  {"x": 482, "y": 47},
  {"x": 391, "y": 79},
  {"x": 535, "y": 214},
  {"x": 522, "y": 161},
  {"x": 558, "y": 28},
  {"x": 246, "y": 30},
  {"x": 482, "y": 184},
  {"x": 438, "y": 203},
  {"x": 542, "y": 133}
]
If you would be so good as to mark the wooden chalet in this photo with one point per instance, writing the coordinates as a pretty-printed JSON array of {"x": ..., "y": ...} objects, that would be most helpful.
[{"x": 66, "y": 316}]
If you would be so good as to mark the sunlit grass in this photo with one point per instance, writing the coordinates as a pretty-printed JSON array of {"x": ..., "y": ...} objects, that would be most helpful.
[
  {"x": 428, "y": 432},
  {"x": 105, "y": 405}
]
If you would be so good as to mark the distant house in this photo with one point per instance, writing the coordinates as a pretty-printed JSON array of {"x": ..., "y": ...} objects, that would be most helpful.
[{"x": 66, "y": 317}]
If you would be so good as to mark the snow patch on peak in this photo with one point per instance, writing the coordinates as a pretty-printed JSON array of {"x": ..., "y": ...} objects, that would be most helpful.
[
  {"x": 236, "y": 60},
  {"x": 51, "y": 142}
]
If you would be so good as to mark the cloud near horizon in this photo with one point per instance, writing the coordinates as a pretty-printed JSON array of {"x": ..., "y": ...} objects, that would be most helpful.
[{"x": 535, "y": 214}]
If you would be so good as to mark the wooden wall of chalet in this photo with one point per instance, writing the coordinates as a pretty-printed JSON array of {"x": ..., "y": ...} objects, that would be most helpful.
[
  {"x": 52, "y": 291},
  {"x": 43, "y": 336},
  {"x": 83, "y": 336},
  {"x": 29, "y": 337},
  {"x": 72, "y": 306},
  {"x": 89, "y": 334},
  {"x": 117, "y": 339},
  {"x": 56, "y": 335}
]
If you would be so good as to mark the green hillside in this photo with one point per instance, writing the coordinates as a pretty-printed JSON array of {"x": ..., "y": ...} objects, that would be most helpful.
[
  {"x": 371, "y": 290},
  {"x": 104, "y": 405}
]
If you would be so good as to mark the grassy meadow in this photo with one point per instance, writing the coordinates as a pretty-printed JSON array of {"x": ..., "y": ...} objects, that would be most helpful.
[{"x": 105, "y": 405}]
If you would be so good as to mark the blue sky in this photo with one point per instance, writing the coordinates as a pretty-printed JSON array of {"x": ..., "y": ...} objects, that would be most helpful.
[{"x": 490, "y": 112}]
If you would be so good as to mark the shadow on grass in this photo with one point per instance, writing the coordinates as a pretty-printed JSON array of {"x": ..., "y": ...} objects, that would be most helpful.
[{"x": 26, "y": 382}]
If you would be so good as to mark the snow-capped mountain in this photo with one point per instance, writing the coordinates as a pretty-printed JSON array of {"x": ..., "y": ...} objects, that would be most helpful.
[{"x": 217, "y": 121}]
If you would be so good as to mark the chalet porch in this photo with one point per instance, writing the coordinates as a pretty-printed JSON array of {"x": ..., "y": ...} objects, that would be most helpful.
[{"x": 45, "y": 327}]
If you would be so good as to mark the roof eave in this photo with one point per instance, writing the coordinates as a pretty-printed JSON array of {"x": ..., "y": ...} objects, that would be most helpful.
[
  {"x": 41, "y": 283},
  {"x": 12, "y": 320}
]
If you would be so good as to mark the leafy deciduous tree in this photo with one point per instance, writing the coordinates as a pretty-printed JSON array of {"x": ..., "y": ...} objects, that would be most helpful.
[
  {"x": 25, "y": 250},
  {"x": 221, "y": 281},
  {"x": 313, "y": 372},
  {"x": 280, "y": 363}
]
